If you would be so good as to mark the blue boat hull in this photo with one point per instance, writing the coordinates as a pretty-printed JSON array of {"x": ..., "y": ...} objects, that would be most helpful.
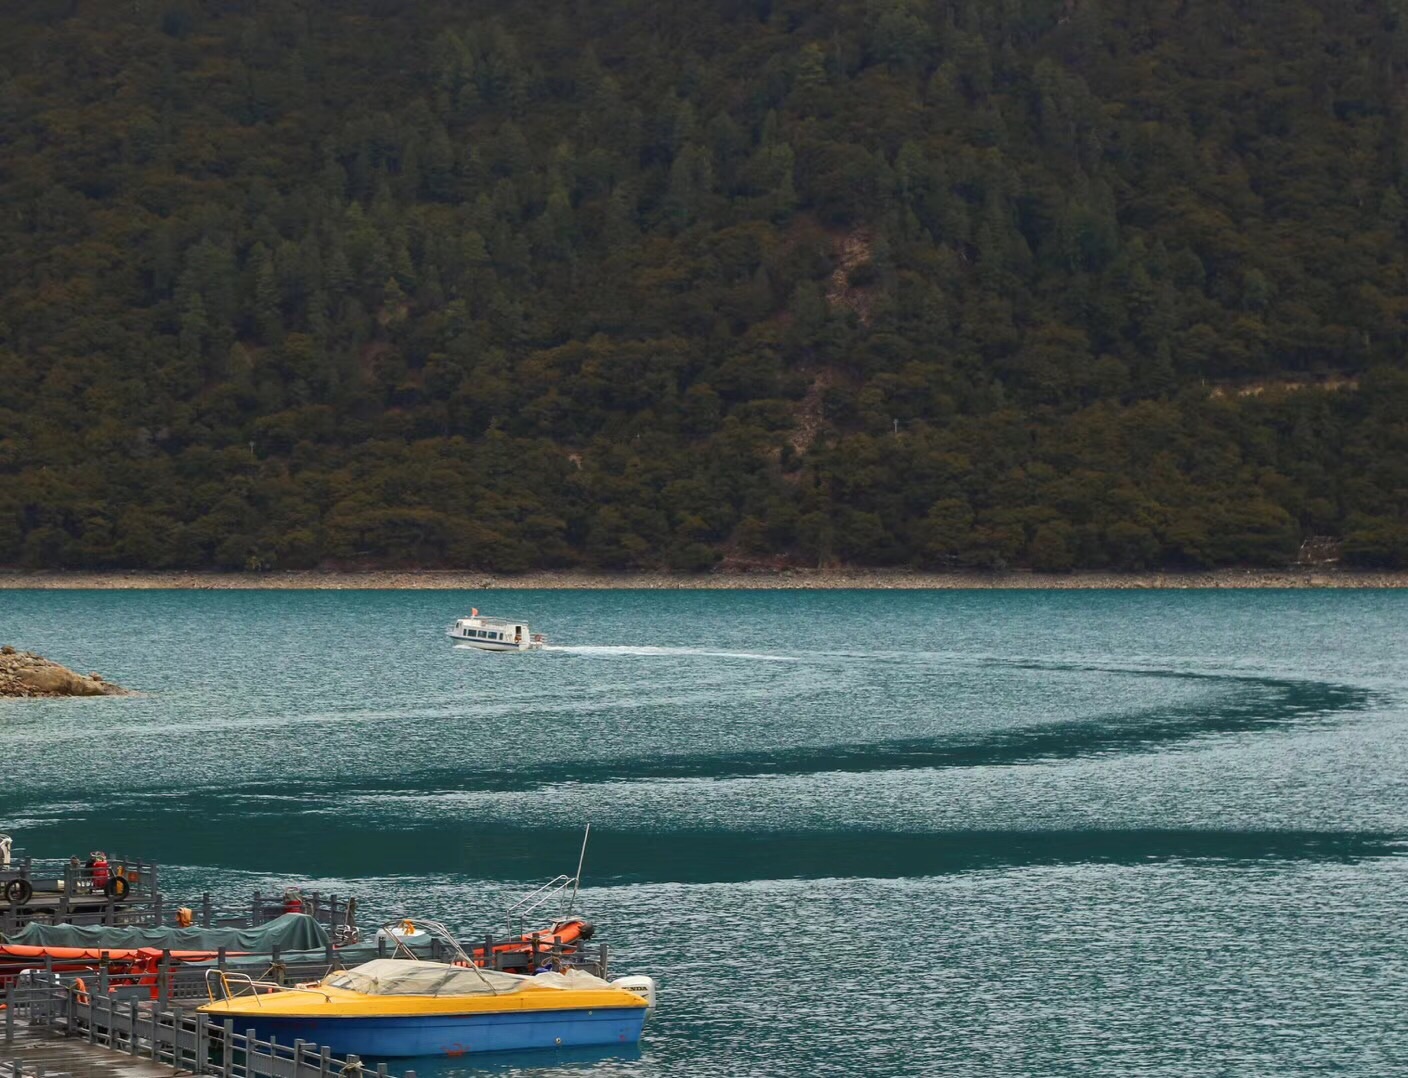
[{"x": 456, "y": 1034}]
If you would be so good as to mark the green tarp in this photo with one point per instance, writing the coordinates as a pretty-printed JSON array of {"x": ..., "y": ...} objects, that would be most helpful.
[{"x": 291, "y": 932}]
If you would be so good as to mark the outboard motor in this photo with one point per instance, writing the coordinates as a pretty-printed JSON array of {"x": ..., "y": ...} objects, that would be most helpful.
[{"x": 639, "y": 984}]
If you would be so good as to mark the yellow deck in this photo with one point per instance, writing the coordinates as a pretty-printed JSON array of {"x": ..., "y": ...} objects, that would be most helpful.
[{"x": 327, "y": 1002}]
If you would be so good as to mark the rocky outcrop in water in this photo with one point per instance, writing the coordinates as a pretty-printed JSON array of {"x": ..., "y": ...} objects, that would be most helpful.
[{"x": 22, "y": 673}]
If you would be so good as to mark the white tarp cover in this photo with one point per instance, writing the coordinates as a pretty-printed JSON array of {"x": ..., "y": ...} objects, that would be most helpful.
[
  {"x": 402, "y": 977},
  {"x": 571, "y": 978}
]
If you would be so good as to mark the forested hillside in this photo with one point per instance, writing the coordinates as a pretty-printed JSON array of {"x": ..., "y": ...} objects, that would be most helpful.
[{"x": 627, "y": 283}]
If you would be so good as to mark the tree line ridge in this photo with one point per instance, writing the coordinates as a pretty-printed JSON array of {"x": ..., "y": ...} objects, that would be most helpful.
[{"x": 1046, "y": 284}]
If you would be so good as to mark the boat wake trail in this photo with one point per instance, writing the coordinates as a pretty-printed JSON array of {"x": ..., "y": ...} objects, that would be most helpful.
[{"x": 645, "y": 649}]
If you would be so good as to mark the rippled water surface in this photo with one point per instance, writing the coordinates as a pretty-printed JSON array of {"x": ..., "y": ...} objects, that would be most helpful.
[{"x": 987, "y": 833}]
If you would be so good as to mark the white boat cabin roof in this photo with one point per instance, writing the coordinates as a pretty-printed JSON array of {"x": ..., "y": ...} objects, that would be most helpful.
[{"x": 480, "y": 621}]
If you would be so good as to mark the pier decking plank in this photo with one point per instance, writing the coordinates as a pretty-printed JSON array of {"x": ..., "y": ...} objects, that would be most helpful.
[{"x": 36, "y": 1048}]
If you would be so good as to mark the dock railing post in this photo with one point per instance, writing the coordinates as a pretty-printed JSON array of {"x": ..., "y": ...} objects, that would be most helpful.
[
  {"x": 254, "y": 908},
  {"x": 10, "y": 1011},
  {"x": 227, "y": 1050},
  {"x": 163, "y": 980},
  {"x": 220, "y": 959},
  {"x": 205, "y": 910}
]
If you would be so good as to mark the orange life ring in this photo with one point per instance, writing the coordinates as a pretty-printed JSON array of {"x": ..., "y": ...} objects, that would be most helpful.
[{"x": 80, "y": 990}]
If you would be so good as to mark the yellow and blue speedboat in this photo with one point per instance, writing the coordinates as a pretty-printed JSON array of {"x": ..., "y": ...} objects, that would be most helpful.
[{"x": 391, "y": 1007}]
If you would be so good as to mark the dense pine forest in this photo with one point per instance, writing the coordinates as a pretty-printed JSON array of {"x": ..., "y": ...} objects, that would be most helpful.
[{"x": 642, "y": 283}]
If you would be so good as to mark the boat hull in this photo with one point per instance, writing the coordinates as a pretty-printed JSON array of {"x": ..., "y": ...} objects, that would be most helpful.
[
  {"x": 495, "y": 645},
  {"x": 454, "y": 1035},
  {"x": 483, "y": 645}
]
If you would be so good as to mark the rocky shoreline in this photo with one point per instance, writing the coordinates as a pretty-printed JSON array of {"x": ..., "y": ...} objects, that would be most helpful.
[
  {"x": 23, "y": 673},
  {"x": 469, "y": 580}
]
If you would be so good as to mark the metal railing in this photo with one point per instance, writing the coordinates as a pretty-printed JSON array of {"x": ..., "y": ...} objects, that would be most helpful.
[
  {"x": 67, "y": 899},
  {"x": 564, "y": 886},
  {"x": 61, "y": 892},
  {"x": 559, "y": 887},
  {"x": 18, "y": 1068},
  {"x": 331, "y": 911},
  {"x": 188, "y": 1041}
]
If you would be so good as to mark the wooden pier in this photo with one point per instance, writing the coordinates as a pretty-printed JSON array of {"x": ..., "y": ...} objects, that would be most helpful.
[
  {"x": 50, "y": 1030},
  {"x": 41, "y": 1052}
]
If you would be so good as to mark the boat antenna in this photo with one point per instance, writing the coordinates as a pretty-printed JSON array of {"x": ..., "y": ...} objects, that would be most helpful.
[{"x": 577, "y": 879}]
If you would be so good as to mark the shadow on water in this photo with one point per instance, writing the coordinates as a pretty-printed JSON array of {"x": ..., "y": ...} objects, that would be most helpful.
[
  {"x": 1252, "y": 704},
  {"x": 510, "y": 1064},
  {"x": 491, "y": 850},
  {"x": 235, "y": 822}
]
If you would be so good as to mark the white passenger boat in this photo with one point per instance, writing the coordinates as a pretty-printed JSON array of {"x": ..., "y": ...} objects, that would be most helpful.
[{"x": 495, "y": 634}]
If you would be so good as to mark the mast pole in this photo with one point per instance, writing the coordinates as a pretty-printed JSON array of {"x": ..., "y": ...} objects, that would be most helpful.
[{"x": 577, "y": 880}]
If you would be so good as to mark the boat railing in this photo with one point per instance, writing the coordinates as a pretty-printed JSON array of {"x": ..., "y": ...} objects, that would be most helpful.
[
  {"x": 439, "y": 934},
  {"x": 559, "y": 887},
  {"x": 224, "y": 978}
]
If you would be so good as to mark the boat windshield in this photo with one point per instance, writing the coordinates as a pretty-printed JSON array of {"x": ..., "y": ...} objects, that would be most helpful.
[{"x": 397, "y": 977}]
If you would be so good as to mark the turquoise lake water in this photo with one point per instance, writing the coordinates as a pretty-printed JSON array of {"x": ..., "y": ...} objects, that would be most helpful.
[{"x": 869, "y": 833}]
